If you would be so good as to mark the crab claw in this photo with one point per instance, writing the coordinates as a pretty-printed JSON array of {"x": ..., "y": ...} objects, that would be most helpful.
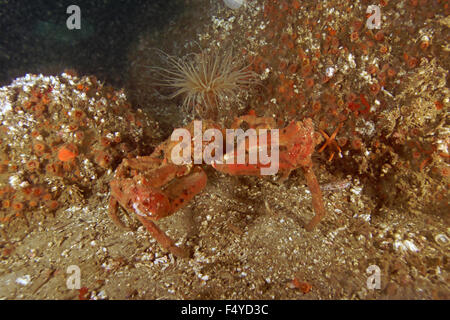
[{"x": 150, "y": 203}]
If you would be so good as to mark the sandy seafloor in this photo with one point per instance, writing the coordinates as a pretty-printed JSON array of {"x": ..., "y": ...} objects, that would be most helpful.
[{"x": 246, "y": 233}]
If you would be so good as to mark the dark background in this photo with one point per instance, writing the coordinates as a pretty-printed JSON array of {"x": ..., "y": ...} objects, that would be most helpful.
[{"x": 34, "y": 37}]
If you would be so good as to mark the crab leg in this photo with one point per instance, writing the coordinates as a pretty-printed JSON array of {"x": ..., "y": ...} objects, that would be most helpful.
[
  {"x": 113, "y": 208},
  {"x": 164, "y": 240},
  {"x": 316, "y": 194}
]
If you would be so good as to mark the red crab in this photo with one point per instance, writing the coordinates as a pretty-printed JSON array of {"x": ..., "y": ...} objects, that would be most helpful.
[{"x": 153, "y": 187}]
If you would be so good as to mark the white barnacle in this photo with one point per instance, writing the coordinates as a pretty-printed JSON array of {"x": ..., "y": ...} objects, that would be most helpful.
[
  {"x": 356, "y": 189},
  {"x": 441, "y": 239},
  {"x": 330, "y": 72},
  {"x": 351, "y": 60},
  {"x": 234, "y": 4},
  {"x": 15, "y": 181},
  {"x": 24, "y": 281},
  {"x": 405, "y": 245},
  {"x": 5, "y": 107},
  {"x": 24, "y": 184}
]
